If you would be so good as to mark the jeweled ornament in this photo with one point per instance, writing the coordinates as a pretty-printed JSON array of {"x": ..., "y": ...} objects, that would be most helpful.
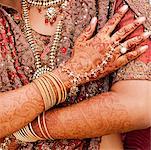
[{"x": 51, "y": 15}]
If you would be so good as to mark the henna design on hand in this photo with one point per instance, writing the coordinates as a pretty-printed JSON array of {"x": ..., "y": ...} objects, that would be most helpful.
[{"x": 89, "y": 52}]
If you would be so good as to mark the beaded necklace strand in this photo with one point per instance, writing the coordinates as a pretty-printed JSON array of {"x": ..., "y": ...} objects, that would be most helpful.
[{"x": 34, "y": 47}]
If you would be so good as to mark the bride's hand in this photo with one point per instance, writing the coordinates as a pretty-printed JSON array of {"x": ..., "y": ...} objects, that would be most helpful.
[{"x": 103, "y": 53}]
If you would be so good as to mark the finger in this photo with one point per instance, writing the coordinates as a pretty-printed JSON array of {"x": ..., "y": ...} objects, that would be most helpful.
[
  {"x": 126, "y": 30},
  {"x": 112, "y": 23},
  {"x": 133, "y": 42},
  {"x": 124, "y": 59},
  {"x": 88, "y": 32}
]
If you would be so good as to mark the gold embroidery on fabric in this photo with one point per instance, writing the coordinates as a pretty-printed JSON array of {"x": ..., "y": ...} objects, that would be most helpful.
[
  {"x": 142, "y": 10},
  {"x": 136, "y": 70}
]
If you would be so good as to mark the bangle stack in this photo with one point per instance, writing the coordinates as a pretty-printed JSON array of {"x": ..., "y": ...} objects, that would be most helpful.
[
  {"x": 52, "y": 89},
  {"x": 27, "y": 134},
  {"x": 43, "y": 129},
  {"x": 53, "y": 92}
]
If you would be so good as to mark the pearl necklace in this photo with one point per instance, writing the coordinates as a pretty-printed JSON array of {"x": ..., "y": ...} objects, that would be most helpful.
[
  {"x": 46, "y": 3},
  {"x": 34, "y": 47}
]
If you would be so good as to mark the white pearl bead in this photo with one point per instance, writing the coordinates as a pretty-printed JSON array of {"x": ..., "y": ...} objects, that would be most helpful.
[{"x": 123, "y": 50}]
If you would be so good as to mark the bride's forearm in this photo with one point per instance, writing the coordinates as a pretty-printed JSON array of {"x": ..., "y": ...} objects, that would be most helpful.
[
  {"x": 101, "y": 115},
  {"x": 19, "y": 107}
]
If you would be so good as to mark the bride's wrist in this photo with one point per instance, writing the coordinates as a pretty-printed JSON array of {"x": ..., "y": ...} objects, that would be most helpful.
[
  {"x": 63, "y": 77},
  {"x": 72, "y": 75}
]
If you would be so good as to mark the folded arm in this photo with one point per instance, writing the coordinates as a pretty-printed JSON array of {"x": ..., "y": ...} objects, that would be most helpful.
[
  {"x": 123, "y": 109},
  {"x": 16, "y": 105}
]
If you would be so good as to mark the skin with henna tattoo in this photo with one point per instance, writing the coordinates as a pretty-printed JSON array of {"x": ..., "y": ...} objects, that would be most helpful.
[
  {"x": 13, "y": 114},
  {"x": 88, "y": 53},
  {"x": 112, "y": 115}
]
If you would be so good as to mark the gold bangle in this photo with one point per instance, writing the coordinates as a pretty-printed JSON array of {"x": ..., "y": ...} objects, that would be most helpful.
[
  {"x": 64, "y": 90},
  {"x": 60, "y": 91},
  {"x": 25, "y": 135},
  {"x": 45, "y": 126},
  {"x": 41, "y": 130},
  {"x": 23, "y": 132},
  {"x": 37, "y": 83},
  {"x": 47, "y": 85},
  {"x": 46, "y": 93},
  {"x": 30, "y": 135},
  {"x": 60, "y": 87},
  {"x": 42, "y": 90},
  {"x": 18, "y": 136},
  {"x": 33, "y": 132},
  {"x": 52, "y": 87},
  {"x": 56, "y": 86},
  {"x": 51, "y": 92}
]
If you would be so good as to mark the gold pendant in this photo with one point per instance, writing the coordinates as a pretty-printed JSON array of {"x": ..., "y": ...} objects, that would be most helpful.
[{"x": 51, "y": 15}]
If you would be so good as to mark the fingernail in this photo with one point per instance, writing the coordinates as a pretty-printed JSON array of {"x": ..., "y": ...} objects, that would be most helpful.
[
  {"x": 94, "y": 19},
  {"x": 147, "y": 34},
  {"x": 141, "y": 19},
  {"x": 144, "y": 48},
  {"x": 124, "y": 7}
]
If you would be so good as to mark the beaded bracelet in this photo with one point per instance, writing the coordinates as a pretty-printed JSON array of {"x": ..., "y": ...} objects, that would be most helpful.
[{"x": 77, "y": 78}]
